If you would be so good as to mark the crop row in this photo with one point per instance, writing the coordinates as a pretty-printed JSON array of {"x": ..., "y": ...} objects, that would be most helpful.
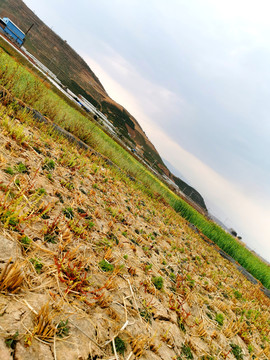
[{"x": 28, "y": 87}]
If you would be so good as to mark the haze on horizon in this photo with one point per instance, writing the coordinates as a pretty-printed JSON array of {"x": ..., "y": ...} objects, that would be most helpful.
[{"x": 195, "y": 74}]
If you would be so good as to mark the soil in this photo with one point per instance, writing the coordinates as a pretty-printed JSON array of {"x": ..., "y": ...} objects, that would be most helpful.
[{"x": 96, "y": 260}]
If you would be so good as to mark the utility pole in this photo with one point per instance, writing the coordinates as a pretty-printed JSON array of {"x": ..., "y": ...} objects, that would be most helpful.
[{"x": 29, "y": 29}]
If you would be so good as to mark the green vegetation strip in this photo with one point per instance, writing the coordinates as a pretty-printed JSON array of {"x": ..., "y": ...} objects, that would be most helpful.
[{"x": 27, "y": 86}]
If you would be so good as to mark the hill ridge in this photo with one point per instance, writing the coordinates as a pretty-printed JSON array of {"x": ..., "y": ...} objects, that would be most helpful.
[{"x": 82, "y": 80}]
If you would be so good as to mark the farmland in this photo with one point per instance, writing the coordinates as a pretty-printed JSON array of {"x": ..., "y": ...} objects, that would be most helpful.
[
  {"x": 98, "y": 266},
  {"x": 27, "y": 87}
]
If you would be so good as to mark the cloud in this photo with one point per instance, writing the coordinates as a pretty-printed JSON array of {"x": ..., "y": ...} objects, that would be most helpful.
[
  {"x": 246, "y": 214},
  {"x": 196, "y": 76},
  {"x": 143, "y": 98}
]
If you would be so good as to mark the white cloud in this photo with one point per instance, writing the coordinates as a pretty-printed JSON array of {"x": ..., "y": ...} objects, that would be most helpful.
[
  {"x": 138, "y": 95},
  {"x": 249, "y": 216}
]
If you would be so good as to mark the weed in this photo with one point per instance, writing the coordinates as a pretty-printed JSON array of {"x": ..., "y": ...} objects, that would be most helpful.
[
  {"x": 25, "y": 242},
  {"x": 190, "y": 281},
  {"x": 90, "y": 225},
  {"x": 12, "y": 340},
  {"x": 62, "y": 329},
  {"x": 60, "y": 197},
  {"x": 180, "y": 323},
  {"x": 172, "y": 276},
  {"x": 50, "y": 237},
  {"x": 237, "y": 351},
  {"x": 146, "y": 315},
  {"x": 68, "y": 185},
  {"x": 106, "y": 266},
  {"x": 120, "y": 345},
  {"x": 49, "y": 164},
  {"x": 147, "y": 267},
  {"x": 37, "y": 264},
  {"x": 219, "y": 319},
  {"x": 21, "y": 168},
  {"x": 37, "y": 150},
  {"x": 41, "y": 191},
  {"x": 17, "y": 182},
  {"x": 9, "y": 170},
  {"x": 68, "y": 212},
  {"x": 72, "y": 272},
  {"x": 237, "y": 294},
  {"x": 51, "y": 231},
  {"x": 185, "y": 350},
  {"x": 76, "y": 228},
  {"x": 9, "y": 219},
  {"x": 158, "y": 282},
  {"x": 125, "y": 256},
  {"x": 50, "y": 177}
]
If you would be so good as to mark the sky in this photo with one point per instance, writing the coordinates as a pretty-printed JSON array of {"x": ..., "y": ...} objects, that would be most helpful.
[{"x": 195, "y": 74}]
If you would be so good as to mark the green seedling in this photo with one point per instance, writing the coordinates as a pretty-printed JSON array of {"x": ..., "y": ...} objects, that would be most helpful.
[
  {"x": 185, "y": 350},
  {"x": 63, "y": 329},
  {"x": 147, "y": 268},
  {"x": 37, "y": 264},
  {"x": 120, "y": 345},
  {"x": 90, "y": 224},
  {"x": 158, "y": 282},
  {"x": 41, "y": 191},
  {"x": 238, "y": 295},
  {"x": 49, "y": 165},
  {"x": 68, "y": 212},
  {"x": 49, "y": 177},
  {"x": 219, "y": 319},
  {"x": 25, "y": 242},
  {"x": 106, "y": 266},
  {"x": 21, "y": 168},
  {"x": 11, "y": 340},
  {"x": 237, "y": 351},
  {"x": 9, "y": 170}
]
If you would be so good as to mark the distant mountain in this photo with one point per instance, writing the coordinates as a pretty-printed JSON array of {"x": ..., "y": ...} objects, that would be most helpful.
[
  {"x": 174, "y": 171},
  {"x": 73, "y": 72},
  {"x": 219, "y": 222}
]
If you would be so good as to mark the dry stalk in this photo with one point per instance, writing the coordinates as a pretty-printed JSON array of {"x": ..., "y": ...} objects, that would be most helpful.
[
  {"x": 138, "y": 345},
  {"x": 44, "y": 328},
  {"x": 11, "y": 278}
]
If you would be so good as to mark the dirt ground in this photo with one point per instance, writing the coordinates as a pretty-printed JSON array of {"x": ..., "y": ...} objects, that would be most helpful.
[{"x": 94, "y": 268}]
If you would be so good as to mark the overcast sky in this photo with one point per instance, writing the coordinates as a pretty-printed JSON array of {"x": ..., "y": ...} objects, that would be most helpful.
[{"x": 196, "y": 75}]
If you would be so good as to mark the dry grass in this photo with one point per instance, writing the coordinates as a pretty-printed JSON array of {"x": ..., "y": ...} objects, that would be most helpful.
[
  {"x": 12, "y": 277},
  {"x": 43, "y": 321},
  {"x": 203, "y": 305}
]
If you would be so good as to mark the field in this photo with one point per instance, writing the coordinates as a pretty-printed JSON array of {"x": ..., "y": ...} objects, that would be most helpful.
[
  {"x": 27, "y": 87},
  {"x": 97, "y": 266}
]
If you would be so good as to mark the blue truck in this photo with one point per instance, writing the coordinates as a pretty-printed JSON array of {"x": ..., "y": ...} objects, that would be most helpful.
[{"x": 12, "y": 31}]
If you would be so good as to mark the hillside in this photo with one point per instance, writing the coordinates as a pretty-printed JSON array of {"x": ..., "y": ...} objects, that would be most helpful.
[{"x": 73, "y": 72}]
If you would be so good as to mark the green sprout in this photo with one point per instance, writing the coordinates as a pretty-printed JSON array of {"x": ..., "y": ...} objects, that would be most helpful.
[
  {"x": 158, "y": 282},
  {"x": 106, "y": 266}
]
